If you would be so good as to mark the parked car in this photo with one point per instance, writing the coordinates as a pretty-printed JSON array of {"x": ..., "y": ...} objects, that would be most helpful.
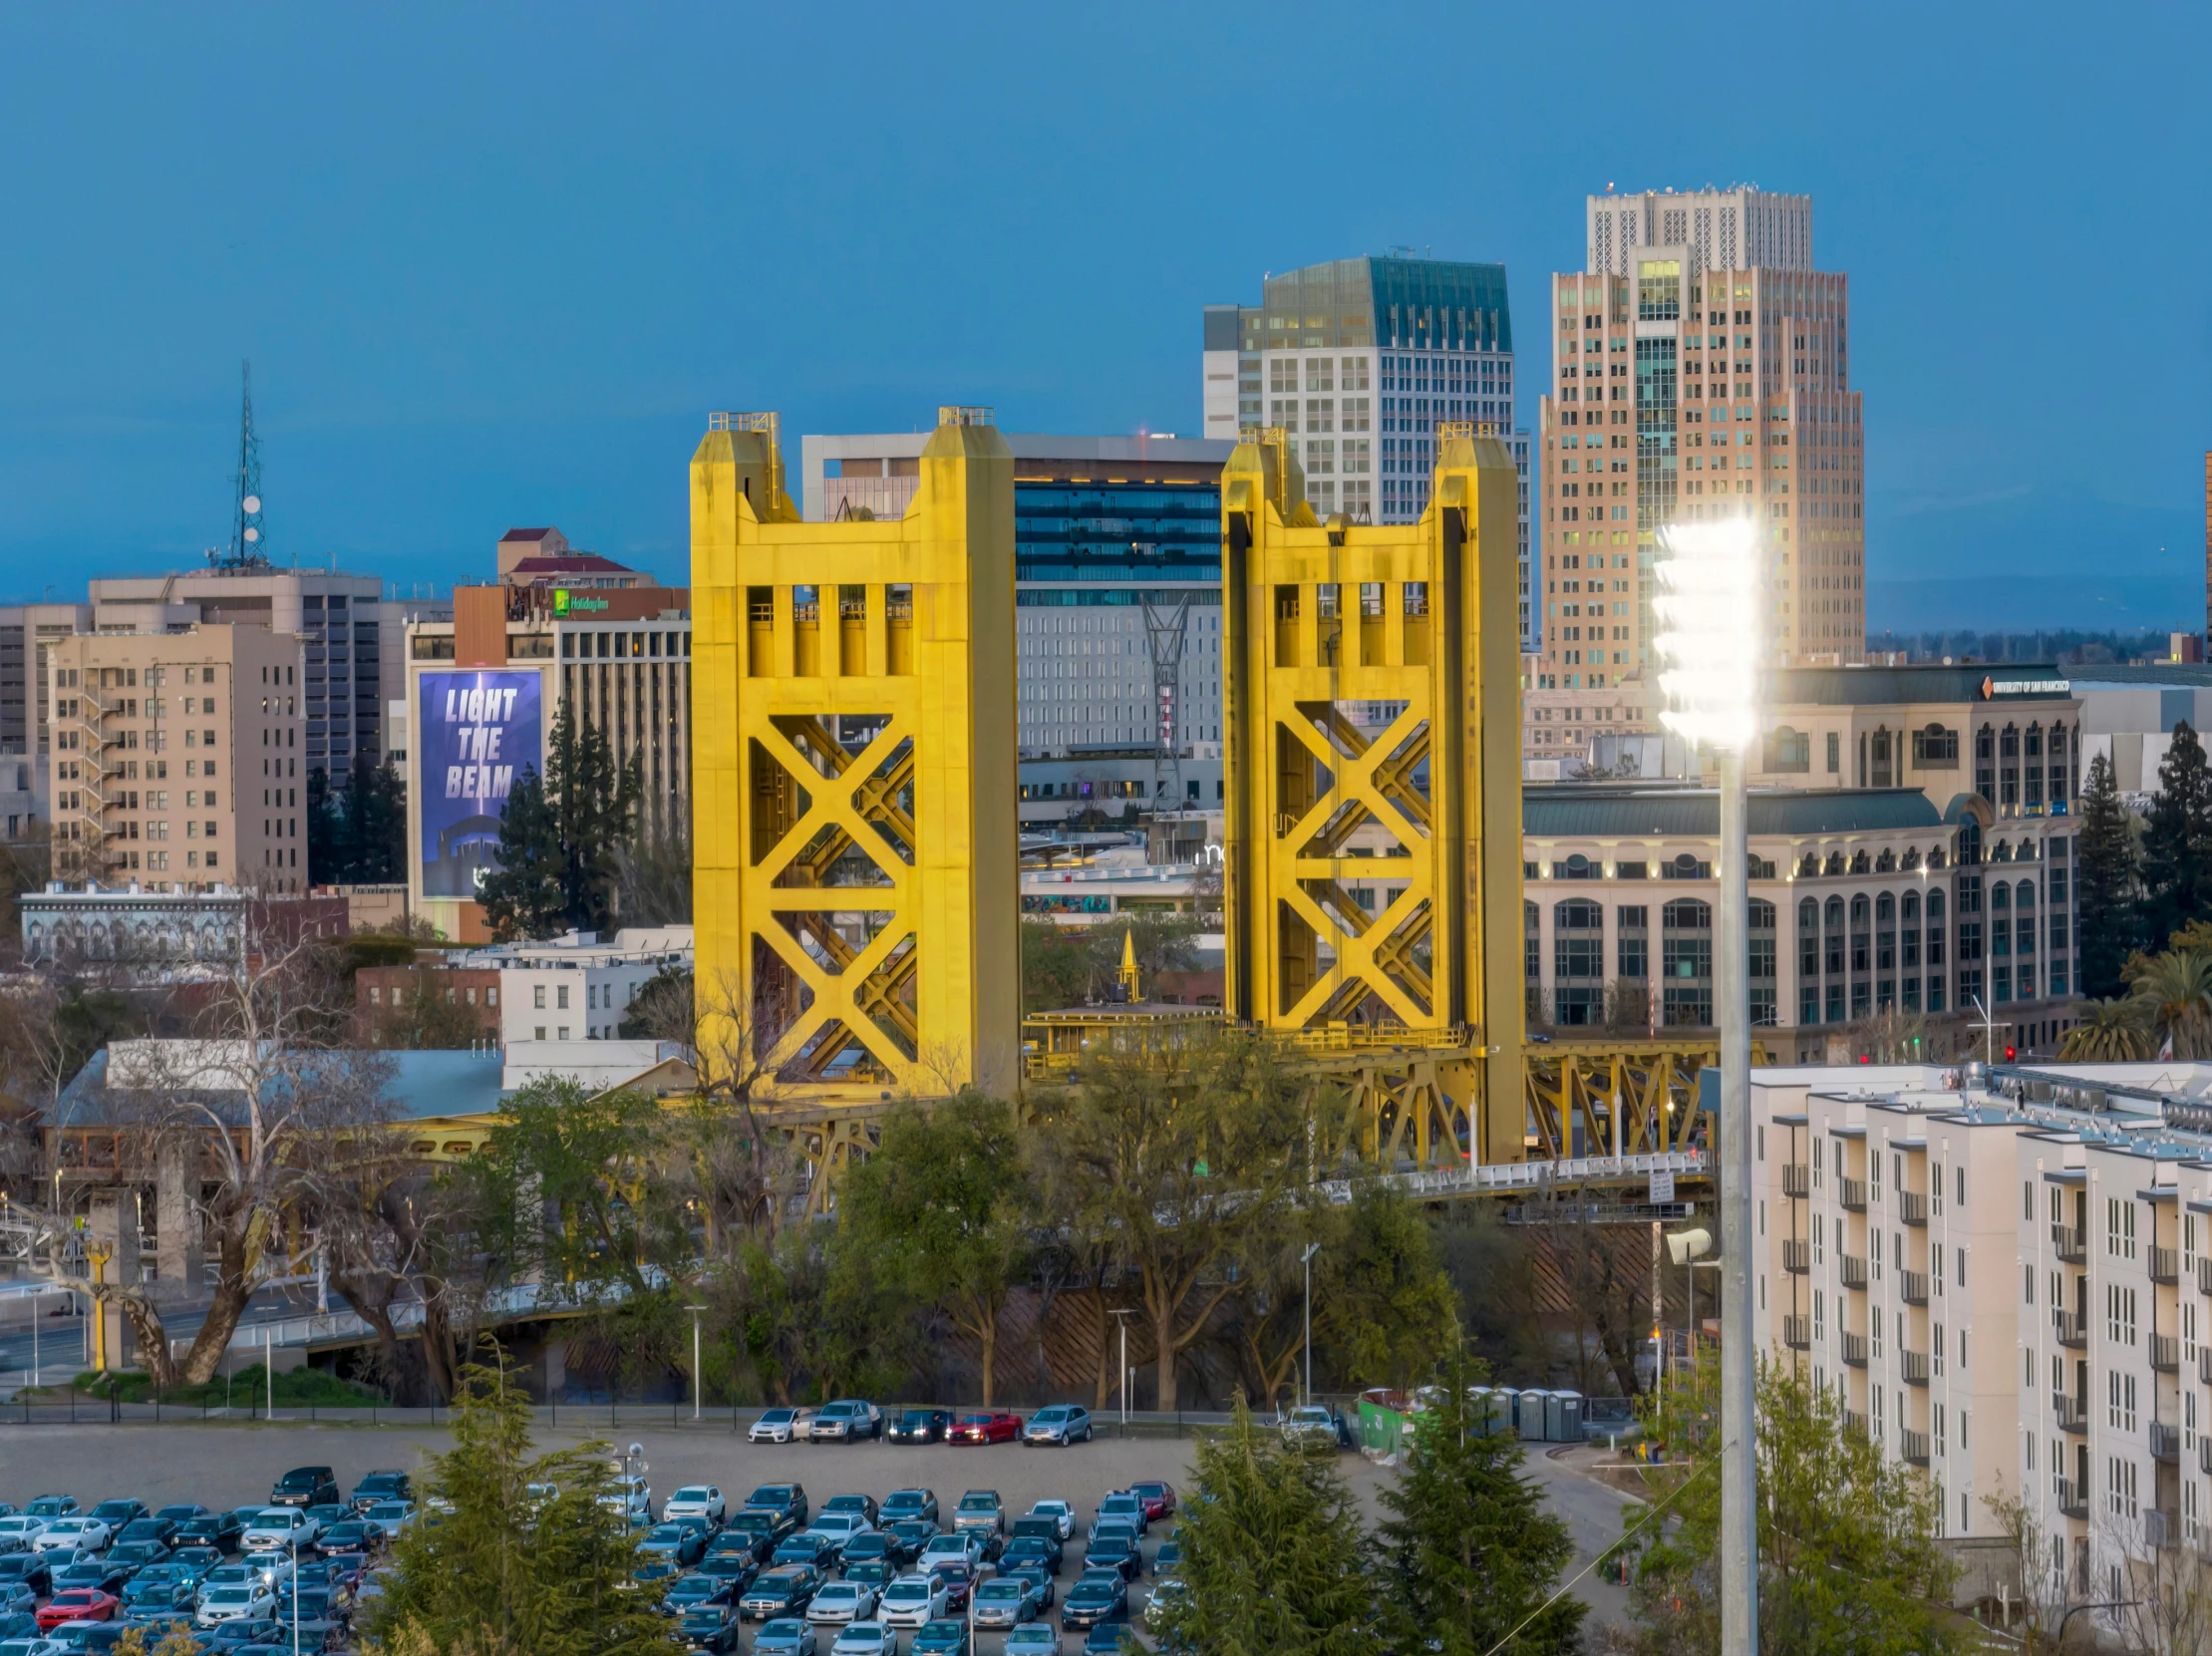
[
  {"x": 1004, "y": 1601},
  {"x": 78, "y": 1604},
  {"x": 845, "y": 1420},
  {"x": 911, "y": 1600},
  {"x": 116, "y": 1513},
  {"x": 1162, "y": 1597},
  {"x": 19, "y": 1530},
  {"x": 908, "y": 1503},
  {"x": 353, "y": 1535},
  {"x": 280, "y": 1526},
  {"x": 1031, "y": 1549},
  {"x": 714, "y": 1628},
  {"x": 1121, "y": 1507},
  {"x": 747, "y": 1535},
  {"x": 864, "y": 1504},
  {"x": 704, "y": 1587},
  {"x": 1047, "y": 1591},
  {"x": 653, "y": 1573},
  {"x": 980, "y": 1510},
  {"x": 1102, "y": 1595},
  {"x": 1317, "y": 1425},
  {"x": 942, "y": 1638},
  {"x": 1159, "y": 1496},
  {"x": 317, "y": 1612},
  {"x": 73, "y": 1535},
  {"x": 305, "y": 1486},
  {"x": 1115, "y": 1549},
  {"x": 963, "y": 1547},
  {"x": 1109, "y": 1638},
  {"x": 381, "y": 1486},
  {"x": 986, "y": 1429},
  {"x": 133, "y": 1557},
  {"x": 1062, "y": 1424},
  {"x": 696, "y": 1501},
  {"x": 920, "y": 1426},
  {"x": 682, "y": 1544},
  {"x": 220, "y": 1531},
  {"x": 787, "y": 1636},
  {"x": 872, "y": 1547},
  {"x": 103, "y": 1575},
  {"x": 782, "y": 1591},
  {"x": 31, "y": 1569},
  {"x": 632, "y": 1497},
  {"x": 865, "y": 1638},
  {"x": 840, "y": 1528},
  {"x": 248, "y": 1601},
  {"x": 841, "y": 1601},
  {"x": 960, "y": 1584},
  {"x": 52, "y": 1507},
  {"x": 1061, "y": 1512},
  {"x": 780, "y": 1426},
  {"x": 1032, "y": 1638},
  {"x": 782, "y": 1501}
]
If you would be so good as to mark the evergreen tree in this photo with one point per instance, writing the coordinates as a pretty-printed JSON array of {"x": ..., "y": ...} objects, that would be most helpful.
[
  {"x": 1272, "y": 1561},
  {"x": 1470, "y": 1554},
  {"x": 2108, "y": 894},
  {"x": 357, "y": 831},
  {"x": 2177, "y": 839},
  {"x": 501, "y": 1572},
  {"x": 521, "y": 897},
  {"x": 561, "y": 841}
]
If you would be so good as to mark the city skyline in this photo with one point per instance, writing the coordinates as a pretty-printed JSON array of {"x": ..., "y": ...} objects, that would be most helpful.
[{"x": 461, "y": 321}]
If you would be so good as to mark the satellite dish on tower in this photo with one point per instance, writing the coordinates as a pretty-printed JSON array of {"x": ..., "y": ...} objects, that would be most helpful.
[
  {"x": 252, "y": 534},
  {"x": 252, "y": 502}
]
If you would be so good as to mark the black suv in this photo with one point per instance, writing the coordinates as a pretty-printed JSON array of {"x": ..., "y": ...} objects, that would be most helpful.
[
  {"x": 306, "y": 1487},
  {"x": 381, "y": 1486}
]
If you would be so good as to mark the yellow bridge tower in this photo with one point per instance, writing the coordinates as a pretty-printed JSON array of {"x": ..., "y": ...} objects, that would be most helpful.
[
  {"x": 854, "y": 822},
  {"x": 1374, "y": 808}
]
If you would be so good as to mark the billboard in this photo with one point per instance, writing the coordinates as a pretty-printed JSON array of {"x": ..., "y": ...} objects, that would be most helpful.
[{"x": 474, "y": 733}]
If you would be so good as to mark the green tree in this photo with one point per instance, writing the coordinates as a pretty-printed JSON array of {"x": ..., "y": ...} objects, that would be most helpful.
[
  {"x": 2177, "y": 838},
  {"x": 2110, "y": 1032},
  {"x": 2110, "y": 896},
  {"x": 2172, "y": 995},
  {"x": 1058, "y": 965},
  {"x": 1273, "y": 1563},
  {"x": 944, "y": 1209},
  {"x": 1470, "y": 1554},
  {"x": 504, "y": 1572},
  {"x": 1150, "y": 1144},
  {"x": 562, "y": 838},
  {"x": 357, "y": 830},
  {"x": 1849, "y": 1557}
]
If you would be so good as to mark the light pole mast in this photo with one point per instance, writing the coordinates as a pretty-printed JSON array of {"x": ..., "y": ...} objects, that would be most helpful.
[{"x": 1709, "y": 613}]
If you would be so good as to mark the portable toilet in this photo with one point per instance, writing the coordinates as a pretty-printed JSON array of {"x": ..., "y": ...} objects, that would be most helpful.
[
  {"x": 1563, "y": 1418},
  {"x": 1479, "y": 1410},
  {"x": 1531, "y": 1419},
  {"x": 1504, "y": 1402}
]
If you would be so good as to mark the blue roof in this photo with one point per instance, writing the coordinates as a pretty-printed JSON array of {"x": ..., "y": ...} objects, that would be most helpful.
[{"x": 421, "y": 1085}]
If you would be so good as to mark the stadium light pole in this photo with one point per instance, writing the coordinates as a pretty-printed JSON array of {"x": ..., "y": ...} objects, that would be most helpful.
[{"x": 1708, "y": 612}]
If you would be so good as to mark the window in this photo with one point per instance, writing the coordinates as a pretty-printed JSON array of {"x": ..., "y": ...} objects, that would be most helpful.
[
  {"x": 1935, "y": 749},
  {"x": 1789, "y": 750},
  {"x": 561, "y": 997},
  {"x": 1835, "y": 753},
  {"x": 1634, "y": 945},
  {"x": 537, "y": 998}
]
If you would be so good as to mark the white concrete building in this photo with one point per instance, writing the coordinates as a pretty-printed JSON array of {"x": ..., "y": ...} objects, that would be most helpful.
[
  {"x": 2004, "y": 1276},
  {"x": 574, "y": 987}
]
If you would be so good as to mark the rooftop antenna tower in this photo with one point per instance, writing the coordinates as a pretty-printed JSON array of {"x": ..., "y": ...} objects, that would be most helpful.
[
  {"x": 249, "y": 538},
  {"x": 1167, "y": 627}
]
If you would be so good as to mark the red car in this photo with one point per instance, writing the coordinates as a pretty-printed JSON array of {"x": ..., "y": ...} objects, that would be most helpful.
[
  {"x": 959, "y": 1584},
  {"x": 986, "y": 1429},
  {"x": 78, "y": 1604},
  {"x": 1159, "y": 1496}
]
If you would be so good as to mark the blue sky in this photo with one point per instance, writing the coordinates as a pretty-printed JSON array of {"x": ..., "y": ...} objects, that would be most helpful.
[{"x": 494, "y": 264}]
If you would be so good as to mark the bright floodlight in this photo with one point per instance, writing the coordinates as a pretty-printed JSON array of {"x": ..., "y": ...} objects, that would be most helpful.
[{"x": 1708, "y": 638}]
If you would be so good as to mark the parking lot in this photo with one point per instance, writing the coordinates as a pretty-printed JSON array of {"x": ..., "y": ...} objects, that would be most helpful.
[{"x": 229, "y": 1464}]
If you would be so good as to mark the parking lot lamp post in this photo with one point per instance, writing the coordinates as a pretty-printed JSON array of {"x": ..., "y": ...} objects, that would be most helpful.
[
  {"x": 698, "y": 1376},
  {"x": 1307, "y": 1259},
  {"x": 295, "y": 1593},
  {"x": 1122, "y": 1317},
  {"x": 1709, "y": 610}
]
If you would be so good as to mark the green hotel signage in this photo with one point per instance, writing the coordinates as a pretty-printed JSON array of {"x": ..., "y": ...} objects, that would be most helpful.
[{"x": 564, "y": 601}]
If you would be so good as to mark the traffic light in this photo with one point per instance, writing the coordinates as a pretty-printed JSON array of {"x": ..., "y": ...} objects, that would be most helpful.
[{"x": 2007, "y": 1055}]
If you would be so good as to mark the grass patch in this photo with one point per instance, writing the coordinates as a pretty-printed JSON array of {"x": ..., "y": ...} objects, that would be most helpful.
[{"x": 302, "y": 1388}]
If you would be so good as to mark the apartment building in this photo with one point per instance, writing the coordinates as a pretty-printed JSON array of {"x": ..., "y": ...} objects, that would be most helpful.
[
  {"x": 1701, "y": 373},
  {"x": 1359, "y": 361},
  {"x": 575, "y": 987},
  {"x": 26, "y": 631},
  {"x": 2003, "y": 1274},
  {"x": 177, "y": 758}
]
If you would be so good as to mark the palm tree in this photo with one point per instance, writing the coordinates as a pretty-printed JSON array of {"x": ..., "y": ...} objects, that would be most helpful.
[
  {"x": 2110, "y": 1032},
  {"x": 2173, "y": 993}
]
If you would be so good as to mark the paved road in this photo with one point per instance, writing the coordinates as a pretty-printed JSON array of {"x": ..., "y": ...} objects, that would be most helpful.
[{"x": 1593, "y": 1511}]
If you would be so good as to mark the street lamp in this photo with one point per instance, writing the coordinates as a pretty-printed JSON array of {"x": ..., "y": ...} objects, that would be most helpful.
[
  {"x": 697, "y": 1376},
  {"x": 1122, "y": 1315},
  {"x": 1307, "y": 1259},
  {"x": 1708, "y": 612}
]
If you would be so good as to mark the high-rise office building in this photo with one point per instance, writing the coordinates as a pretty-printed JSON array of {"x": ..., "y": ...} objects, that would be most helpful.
[
  {"x": 1357, "y": 361},
  {"x": 1117, "y": 607},
  {"x": 1702, "y": 372}
]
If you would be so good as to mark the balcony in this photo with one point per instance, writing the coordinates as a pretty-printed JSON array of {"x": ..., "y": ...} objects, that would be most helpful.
[
  {"x": 2071, "y": 1413},
  {"x": 2070, "y": 1244},
  {"x": 2165, "y": 1354},
  {"x": 1798, "y": 1259},
  {"x": 1797, "y": 1181},
  {"x": 1854, "y": 1422},
  {"x": 2073, "y": 1500},
  {"x": 1798, "y": 1335},
  {"x": 1912, "y": 1207},
  {"x": 1912, "y": 1446},
  {"x": 1912, "y": 1287},
  {"x": 2072, "y": 1330},
  {"x": 1851, "y": 1195},
  {"x": 2204, "y": 1453},
  {"x": 2165, "y": 1443},
  {"x": 2162, "y": 1529},
  {"x": 2204, "y": 1274},
  {"x": 2204, "y": 1364},
  {"x": 1854, "y": 1350},
  {"x": 2165, "y": 1265},
  {"x": 1851, "y": 1271},
  {"x": 1912, "y": 1367}
]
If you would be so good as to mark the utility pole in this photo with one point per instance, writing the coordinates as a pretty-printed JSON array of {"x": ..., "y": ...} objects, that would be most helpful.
[
  {"x": 1307, "y": 1260},
  {"x": 1122, "y": 1317},
  {"x": 698, "y": 1375}
]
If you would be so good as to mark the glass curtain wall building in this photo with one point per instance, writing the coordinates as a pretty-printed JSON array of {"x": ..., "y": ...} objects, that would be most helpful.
[
  {"x": 1357, "y": 361},
  {"x": 1118, "y": 594}
]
